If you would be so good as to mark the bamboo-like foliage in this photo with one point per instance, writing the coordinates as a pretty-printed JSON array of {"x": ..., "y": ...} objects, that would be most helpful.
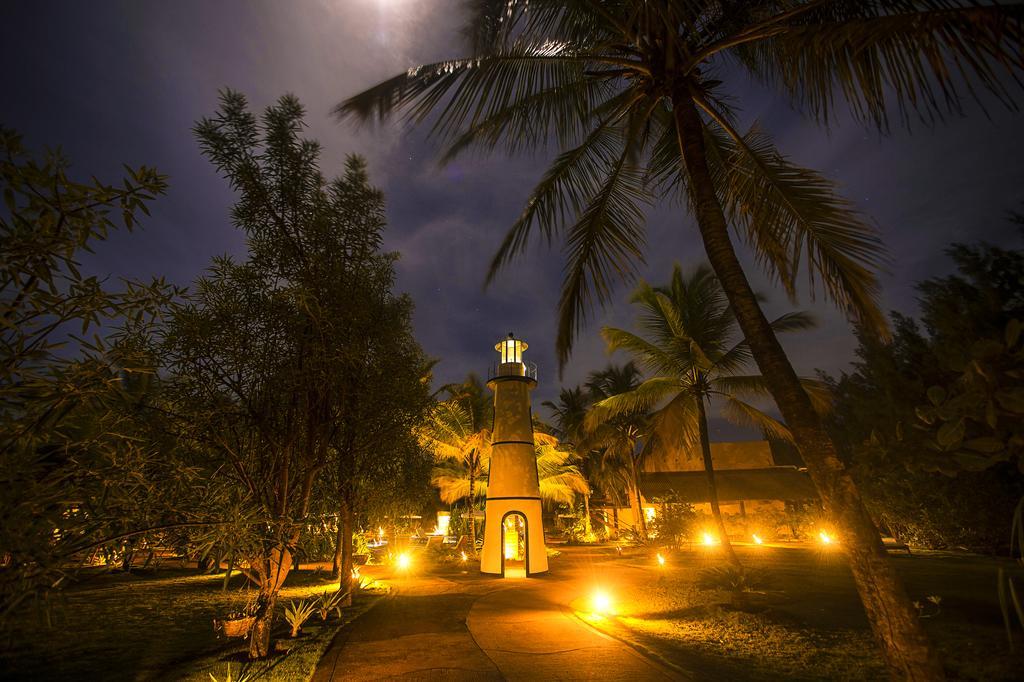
[{"x": 601, "y": 80}]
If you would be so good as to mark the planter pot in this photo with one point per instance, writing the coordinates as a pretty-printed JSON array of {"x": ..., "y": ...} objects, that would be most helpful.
[{"x": 235, "y": 627}]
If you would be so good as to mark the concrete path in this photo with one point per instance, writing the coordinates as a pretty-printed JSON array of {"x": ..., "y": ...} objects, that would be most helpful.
[{"x": 469, "y": 627}]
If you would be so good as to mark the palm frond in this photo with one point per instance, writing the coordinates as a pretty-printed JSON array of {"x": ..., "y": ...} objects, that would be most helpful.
[
  {"x": 640, "y": 399},
  {"x": 647, "y": 354},
  {"x": 790, "y": 214},
  {"x": 605, "y": 243},
  {"x": 745, "y": 414},
  {"x": 917, "y": 57}
]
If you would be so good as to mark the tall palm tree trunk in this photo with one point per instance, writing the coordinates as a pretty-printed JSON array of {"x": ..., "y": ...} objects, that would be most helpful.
[
  {"x": 709, "y": 469},
  {"x": 472, "y": 510},
  {"x": 640, "y": 522},
  {"x": 587, "y": 529},
  {"x": 893, "y": 618}
]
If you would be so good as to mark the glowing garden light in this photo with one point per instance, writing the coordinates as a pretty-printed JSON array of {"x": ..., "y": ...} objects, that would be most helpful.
[
  {"x": 464, "y": 558},
  {"x": 404, "y": 561},
  {"x": 709, "y": 539},
  {"x": 825, "y": 538},
  {"x": 601, "y": 602},
  {"x": 757, "y": 539},
  {"x": 661, "y": 561}
]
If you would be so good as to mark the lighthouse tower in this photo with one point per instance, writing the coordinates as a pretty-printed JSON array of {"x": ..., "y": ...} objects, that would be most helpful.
[{"x": 513, "y": 531}]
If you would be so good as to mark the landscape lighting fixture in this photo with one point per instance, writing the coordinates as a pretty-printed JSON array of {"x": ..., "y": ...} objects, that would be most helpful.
[
  {"x": 661, "y": 560},
  {"x": 404, "y": 561},
  {"x": 601, "y": 602},
  {"x": 757, "y": 539},
  {"x": 825, "y": 538}
]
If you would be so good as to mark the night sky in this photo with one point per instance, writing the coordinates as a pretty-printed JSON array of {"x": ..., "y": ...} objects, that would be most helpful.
[{"x": 123, "y": 82}]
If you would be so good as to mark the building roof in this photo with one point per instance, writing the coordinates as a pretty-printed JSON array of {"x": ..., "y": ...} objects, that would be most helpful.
[{"x": 734, "y": 485}]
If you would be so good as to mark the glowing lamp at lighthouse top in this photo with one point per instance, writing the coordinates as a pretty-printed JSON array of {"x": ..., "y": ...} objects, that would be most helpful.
[{"x": 511, "y": 349}]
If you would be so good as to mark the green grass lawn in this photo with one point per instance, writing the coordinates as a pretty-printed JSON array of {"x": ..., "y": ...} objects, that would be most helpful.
[
  {"x": 810, "y": 625},
  {"x": 157, "y": 625}
]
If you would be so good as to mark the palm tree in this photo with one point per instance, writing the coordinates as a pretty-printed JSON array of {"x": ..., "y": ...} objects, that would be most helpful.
[
  {"x": 569, "y": 413},
  {"x": 630, "y": 90},
  {"x": 689, "y": 344},
  {"x": 462, "y": 451},
  {"x": 560, "y": 479},
  {"x": 619, "y": 437}
]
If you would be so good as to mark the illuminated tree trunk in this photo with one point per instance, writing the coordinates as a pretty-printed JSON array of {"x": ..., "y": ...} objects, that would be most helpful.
[
  {"x": 893, "y": 618},
  {"x": 270, "y": 572},
  {"x": 346, "y": 528},
  {"x": 709, "y": 469}
]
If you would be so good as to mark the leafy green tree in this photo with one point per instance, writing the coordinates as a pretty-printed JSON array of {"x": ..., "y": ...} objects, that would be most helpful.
[
  {"x": 689, "y": 344},
  {"x": 923, "y": 478},
  {"x": 74, "y": 475},
  {"x": 631, "y": 91},
  {"x": 271, "y": 356}
]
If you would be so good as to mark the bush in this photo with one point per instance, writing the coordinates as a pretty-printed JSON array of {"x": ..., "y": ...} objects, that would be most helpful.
[
  {"x": 675, "y": 521},
  {"x": 739, "y": 582},
  {"x": 297, "y": 613}
]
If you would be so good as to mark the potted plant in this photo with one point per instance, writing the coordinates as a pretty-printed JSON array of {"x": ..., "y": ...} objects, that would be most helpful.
[{"x": 237, "y": 623}]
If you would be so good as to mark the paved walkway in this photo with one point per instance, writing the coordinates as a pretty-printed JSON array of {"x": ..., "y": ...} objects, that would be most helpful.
[{"x": 469, "y": 627}]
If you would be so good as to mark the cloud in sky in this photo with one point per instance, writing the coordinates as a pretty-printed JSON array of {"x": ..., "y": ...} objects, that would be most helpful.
[{"x": 123, "y": 82}]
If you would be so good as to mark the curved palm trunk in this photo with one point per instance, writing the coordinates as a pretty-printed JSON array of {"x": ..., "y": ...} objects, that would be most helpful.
[
  {"x": 472, "y": 508},
  {"x": 709, "y": 469},
  {"x": 639, "y": 521},
  {"x": 893, "y": 618}
]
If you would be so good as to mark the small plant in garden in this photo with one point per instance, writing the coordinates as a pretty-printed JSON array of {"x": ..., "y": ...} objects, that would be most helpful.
[
  {"x": 297, "y": 613},
  {"x": 739, "y": 582},
  {"x": 328, "y": 602},
  {"x": 930, "y": 607},
  {"x": 244, "y": 675}
]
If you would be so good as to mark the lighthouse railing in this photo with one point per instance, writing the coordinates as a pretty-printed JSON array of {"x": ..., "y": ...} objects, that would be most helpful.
[{"x": 512, "y": 369}]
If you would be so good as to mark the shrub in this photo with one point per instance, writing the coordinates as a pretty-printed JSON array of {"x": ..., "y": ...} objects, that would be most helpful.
[
  {"x": 675, "y": 521},
  {"x": 737, "y": 581},
  {"x": 297, "y": 613},
  {"x": 330, "y": 601}
]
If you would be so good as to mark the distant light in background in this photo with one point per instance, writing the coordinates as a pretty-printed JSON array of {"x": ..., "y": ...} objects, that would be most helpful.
[
  {"x": 708, "y": 539},
  {"x": 661, "y": 560},
  {"x": 757, "y": 539},
  {"x": 825, "y": 538}
]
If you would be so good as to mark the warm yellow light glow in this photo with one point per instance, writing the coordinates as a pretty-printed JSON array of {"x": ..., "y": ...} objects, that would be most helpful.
[
  {"x": 661, "y": 560},
  {"x": 511, "y": 349},
  {"x": 510, "y": 552},
  {"x": 757, "y": 539},
  {"x": 601, "y": 602},
  {"x": 404, "y": 561},
  {"x": 709, "y": 539},
  {"x": 825, "y": 538},
  {"x": 464, "y": 557},
  {"x": 649, "y": 514}
]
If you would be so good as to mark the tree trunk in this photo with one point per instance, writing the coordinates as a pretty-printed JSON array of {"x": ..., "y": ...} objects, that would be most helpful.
[
  {"x": 709, "y": 469},
  {"x": 587, "y": 529},
  {"x": 345, "y": 580},
  {"x": 270, "y": 572},
  {"x": 338, "y": 544},
  {"x": 893, "y": 618},
  {"x": 259, "y": 638},
  {"x": 472, "y": 511},
  {"x": 642, "y": 518}
]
